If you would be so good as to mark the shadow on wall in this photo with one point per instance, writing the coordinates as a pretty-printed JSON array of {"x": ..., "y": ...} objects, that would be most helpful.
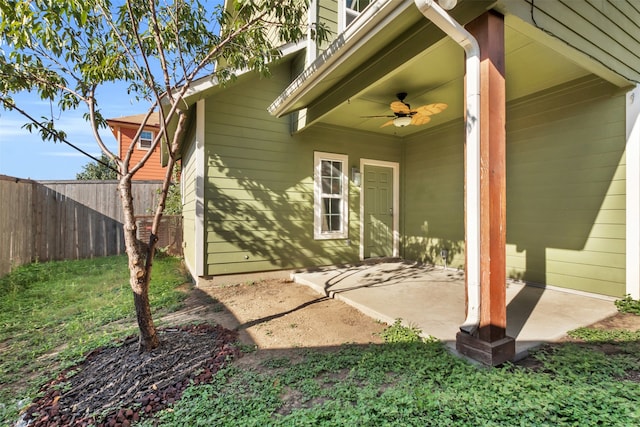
[
  {"x": 264, "y": 222},
  {"x": 561, "y": 167},
  {"x": 565, "y": 190},
  {"x": 435, "y": 250},
  {"x": 434, "y": 212}
]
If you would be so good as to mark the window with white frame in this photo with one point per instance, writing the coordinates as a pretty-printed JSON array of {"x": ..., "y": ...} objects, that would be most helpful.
[
  {"x": 349, "y": 10},
  {"x": 146, "y": 139},
  {"x": 331, "y": 185}
]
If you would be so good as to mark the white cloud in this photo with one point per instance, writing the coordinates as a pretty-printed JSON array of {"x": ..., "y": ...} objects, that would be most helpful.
[
  {"x": 77, "y": 129},
  {"x": 10, "y": 127},
  {"x": 68, "y": 154}
]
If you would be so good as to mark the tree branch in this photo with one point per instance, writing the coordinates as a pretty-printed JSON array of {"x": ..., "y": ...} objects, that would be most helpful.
[
  {"x": 155, "y": 30},
  {"x": 91, "y": 103},
  {"x": 51, "y": 133}
]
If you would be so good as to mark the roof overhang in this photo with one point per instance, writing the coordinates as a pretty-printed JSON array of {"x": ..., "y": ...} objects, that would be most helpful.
[
  {"x": 388, "y": 49},
  {"x": 152, "y": 120},
  {"x": 349, "y": 47},
  {"x": 210, "y": 84},
  {"x": 392, "y": 48},
  {"x": 206, "y": 86}
]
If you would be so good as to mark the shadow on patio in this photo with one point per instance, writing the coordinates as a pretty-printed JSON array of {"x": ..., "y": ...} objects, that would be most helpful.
[{"x": 433, "y": 299}]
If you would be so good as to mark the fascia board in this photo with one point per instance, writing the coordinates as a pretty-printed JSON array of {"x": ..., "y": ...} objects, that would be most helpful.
[{"x": 377, "y": 16}]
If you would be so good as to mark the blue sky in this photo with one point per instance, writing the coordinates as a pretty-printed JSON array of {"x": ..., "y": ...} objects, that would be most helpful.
[{"x": 26, "y": 155}]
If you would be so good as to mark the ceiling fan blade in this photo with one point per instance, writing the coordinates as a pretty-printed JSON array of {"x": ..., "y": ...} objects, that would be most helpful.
[
  {"x": 373, "y": 117},
  {"x": 420, "y": 119},
  {"x": 431, "y": 109},
  {"x": 400, "y": 107},
  {"x": 389, "y": 123}
]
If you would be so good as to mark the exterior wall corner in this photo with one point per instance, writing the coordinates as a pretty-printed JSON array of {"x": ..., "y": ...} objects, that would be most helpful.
[
  {"x": 200, "y": 180},
  {"x": 633, "y": 192}
]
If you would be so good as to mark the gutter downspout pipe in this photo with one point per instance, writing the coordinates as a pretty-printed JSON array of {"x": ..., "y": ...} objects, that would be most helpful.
[{"x": 433, "y": 12}]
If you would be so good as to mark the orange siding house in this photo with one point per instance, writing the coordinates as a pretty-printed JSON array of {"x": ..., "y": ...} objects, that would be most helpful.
[{"x": 124, "y": 129}]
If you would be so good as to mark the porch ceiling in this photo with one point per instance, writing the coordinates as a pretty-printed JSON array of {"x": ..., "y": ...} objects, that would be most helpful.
[{"x": 436, "y": 75}]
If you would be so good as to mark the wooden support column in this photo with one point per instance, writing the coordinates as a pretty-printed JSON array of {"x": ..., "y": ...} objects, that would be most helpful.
[{"x": 489, "y": 343}]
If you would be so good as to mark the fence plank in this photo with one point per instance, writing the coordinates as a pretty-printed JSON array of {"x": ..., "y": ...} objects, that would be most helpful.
[
  {"x": 16, "y": 210},
  {"x": 54, "y": 220}
]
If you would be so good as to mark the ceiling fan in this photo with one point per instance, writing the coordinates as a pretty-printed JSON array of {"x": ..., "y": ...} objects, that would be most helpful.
[{"x": 403, "y": 115}]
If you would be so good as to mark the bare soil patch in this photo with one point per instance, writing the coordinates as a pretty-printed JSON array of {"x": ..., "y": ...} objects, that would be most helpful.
[{"x": 619, "y": 321}]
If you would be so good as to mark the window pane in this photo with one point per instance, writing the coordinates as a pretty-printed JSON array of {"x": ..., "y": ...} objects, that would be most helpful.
[
  {"x": 336, "y": 223},
  {"x": 331, "y": 207},
  {"x": 328, "y": 168},
  {"x": 326, "y": 185},
  {"x": 336, "y": 168},
  {"x": 146, "y": 139},
  {"x": 336, "y": 186},
  {"x": 331, "y": 177},
  {"x": 331, "y": 218},
  {"x": 357, "y": 5}
]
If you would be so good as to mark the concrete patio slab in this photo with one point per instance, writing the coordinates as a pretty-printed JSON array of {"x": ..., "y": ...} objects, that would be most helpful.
[{"x": 432, "y": 299}]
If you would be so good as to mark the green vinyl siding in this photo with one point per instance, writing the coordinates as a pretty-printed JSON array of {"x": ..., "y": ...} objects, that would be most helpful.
[
  {"x": 434, "y": 195},
  {"x": 328, "y": 15},
  {"x": 259, "y": 187},
  {"x": 607, "y": 31},
  {"x": 566, "y": 188}
]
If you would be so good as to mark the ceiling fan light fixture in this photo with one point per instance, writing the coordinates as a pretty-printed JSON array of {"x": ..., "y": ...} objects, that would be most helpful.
[
  {"x": 447, "y": 4},
  {"x": 401, "y": 122}
]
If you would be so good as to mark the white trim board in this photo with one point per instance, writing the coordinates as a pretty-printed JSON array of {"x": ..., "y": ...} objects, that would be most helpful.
[
  {"x": 199, "y": 188},
  {"x": 632, "y": 103}
]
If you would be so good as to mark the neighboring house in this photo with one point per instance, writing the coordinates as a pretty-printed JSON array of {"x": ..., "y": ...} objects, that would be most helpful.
[
  {"x": 322, "y": 182},
  {"x": 124, "y": 129}
]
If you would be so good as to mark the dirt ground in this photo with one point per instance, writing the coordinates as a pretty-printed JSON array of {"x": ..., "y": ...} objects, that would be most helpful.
[
  {"x": 273, "y": 315},
  {"x": 278, "y": 314}
]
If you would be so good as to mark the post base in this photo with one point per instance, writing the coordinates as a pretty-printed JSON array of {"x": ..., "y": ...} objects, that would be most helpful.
[{"x": 490, "y": 353}]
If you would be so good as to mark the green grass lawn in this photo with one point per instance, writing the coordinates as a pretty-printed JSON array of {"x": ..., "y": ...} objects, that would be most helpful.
[
  {"x": 413, "y": 384},
  {"x": 53, "y": 313},
  {"x": 408, "y": 382},
  {"x": 69, "y": 308}
]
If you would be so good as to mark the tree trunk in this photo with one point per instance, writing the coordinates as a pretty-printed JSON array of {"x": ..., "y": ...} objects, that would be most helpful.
[
  {"x": 141, "y": 254},
  {"x": 140, "y": 261}
]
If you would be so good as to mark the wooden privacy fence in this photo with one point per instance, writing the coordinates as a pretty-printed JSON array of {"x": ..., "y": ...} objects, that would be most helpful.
[{"x": 55, "y": 220}]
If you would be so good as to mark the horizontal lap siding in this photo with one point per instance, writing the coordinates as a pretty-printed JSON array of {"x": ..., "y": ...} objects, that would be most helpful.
[
  {"x": 255, "y": 196},
  {"x": 434, "y": 195},
  {"x": 259, "y": 188},
  {"x": 605, "y": 30},
  {"x": 328, "y": 15},
  {"x": 566, "y": 189},
  {"x": 152, "y": 169}
]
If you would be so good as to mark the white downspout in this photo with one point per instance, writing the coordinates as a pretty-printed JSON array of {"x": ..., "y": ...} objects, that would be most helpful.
[{"x": 432, "y": 11}]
